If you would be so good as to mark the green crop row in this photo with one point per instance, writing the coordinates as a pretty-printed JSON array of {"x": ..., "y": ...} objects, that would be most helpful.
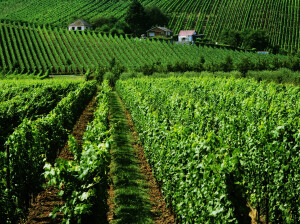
[
  {"x": 280, "y": 19},
  {"x": 61, "y": 51},
  {"x": 30, "y": 146},
  {"x": 85, "y": 178},
  {"x": 217, "y": 145},
  {"x": 29, "y": 101}
]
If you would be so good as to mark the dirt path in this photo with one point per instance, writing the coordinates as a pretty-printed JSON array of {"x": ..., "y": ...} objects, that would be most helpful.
[
  {"x": 158, "y": 210},
  {"x": 48, "y": 199}
]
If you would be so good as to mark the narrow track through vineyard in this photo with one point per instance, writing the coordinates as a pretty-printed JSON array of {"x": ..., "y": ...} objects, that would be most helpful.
[
  {"x": 48, "y": 199},
  {"x": 136, "y": 195}
]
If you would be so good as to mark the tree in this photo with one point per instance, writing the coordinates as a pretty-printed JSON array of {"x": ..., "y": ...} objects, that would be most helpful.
[
  {"x": 257, "y": 39},
  {"x": 231, "y": 37},
  {"x": 244, "y": 66},
  {"x": 136, "y": 18},
  {"x": 155, "y": 17},
  {"x": 227, "y": 65}
]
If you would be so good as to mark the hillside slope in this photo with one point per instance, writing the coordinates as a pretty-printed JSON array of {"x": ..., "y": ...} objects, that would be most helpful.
[
  {"x": 280, "y": 18},
  {"x": 35, "y": 48}
]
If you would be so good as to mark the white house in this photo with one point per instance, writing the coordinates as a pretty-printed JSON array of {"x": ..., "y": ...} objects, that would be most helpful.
[
  {"x": 186, "y": 36},
  {"x": 79, "y": 25}
]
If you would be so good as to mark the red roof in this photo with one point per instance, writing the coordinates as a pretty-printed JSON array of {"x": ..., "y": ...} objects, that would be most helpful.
[{"x": 187, "y": 32}]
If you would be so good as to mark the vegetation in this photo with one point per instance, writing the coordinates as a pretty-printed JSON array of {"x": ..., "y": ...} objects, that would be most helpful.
[
  {"x": 217, "y": 144},
  {"x": 30, "y": 101},
  {"x": 140, "y": 19},
  {"x": 83, "y": 181},
  {"x": 131, "y": 202},
  {"x": 34, "y": 49},
  {"x": 31, "y": 144},
  {"x": 248, "y": 39},
  {"x": 280, "y": 20},
  {"x": 219, "y": 125}
]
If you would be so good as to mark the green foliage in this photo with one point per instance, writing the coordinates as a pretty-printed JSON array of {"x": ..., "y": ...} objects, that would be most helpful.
[
  {"x": 231, "y": 37},
  {"x": 87, "y": 75},
  {"x": 130, "y": 75},
  {"x": 111, "y": 78},
  {"x": 136, "y": 18},
  {"x": 140, "y": 18},
  {"x": 227, "y": 65},
  {"x": 28, "y": 100},
  {"x": 62, "y": 52},
  {"x": 131, "y": 201},
  {"x": 155, "y": 17},
  {"x": 216, "y": 144},
  {"x": 248, "y": 38},
  {"x": 110, "y": 25},
  {"x": 204, "y": 16},
  {"x": 36, "y": 141},
  {"x": 245, "y": 65},
  {"x": 83, "y": 182},
  {"x": 257, "y": 39},
  {"x": 99, "y": 73}
]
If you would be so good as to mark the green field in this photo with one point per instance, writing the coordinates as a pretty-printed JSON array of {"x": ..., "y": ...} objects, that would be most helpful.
[
  {"x": 279, "y": 18},
  {"x": 219, "y": 144},
  {"x": 109, "y": 128},
  {"x": 27, "y": 48}
]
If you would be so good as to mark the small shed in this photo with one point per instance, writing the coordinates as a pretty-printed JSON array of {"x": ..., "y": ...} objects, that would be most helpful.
[
  {"x": 159, "y": 32},
  {"x": 186, "y": 35},
  {"x": 79, "y": 25}
]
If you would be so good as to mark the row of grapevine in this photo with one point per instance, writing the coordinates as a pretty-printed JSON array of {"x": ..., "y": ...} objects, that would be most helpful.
[
  {"x": 35, "y": 100},
  {"x": 217, "y": 145},
  {"x": 32, "y": 144},
  {"x": 61, "y": 51},
  {"x": 86, "y": 175},
  {"x": 280, "y": 19}
]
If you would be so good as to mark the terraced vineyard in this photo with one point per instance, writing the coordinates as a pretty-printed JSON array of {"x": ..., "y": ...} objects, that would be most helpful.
[
  {"x": 280, "y": 18},
  {"x": 35, "y": 48}
]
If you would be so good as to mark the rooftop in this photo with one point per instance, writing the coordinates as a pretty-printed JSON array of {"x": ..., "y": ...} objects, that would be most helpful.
[
  {"x": 187, "y": 32},
  {"x": 162, "y": 28},
  {"x": 80, "y": 22}
]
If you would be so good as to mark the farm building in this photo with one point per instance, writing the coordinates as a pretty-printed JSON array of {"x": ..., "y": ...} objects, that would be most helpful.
[
  {"x": 159, "y": 32},
  {"x": 79, "y": 25},
  {"x": 186, "y": 36}
]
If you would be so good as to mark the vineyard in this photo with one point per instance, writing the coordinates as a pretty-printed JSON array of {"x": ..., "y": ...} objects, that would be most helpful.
[
  {"x": 210, "y": 17},
  {"x": 102, "y": 128},
  {"x": 37, "y": 120},
  {"x": 26, "y": 48},
  {"x": 217, "y": 145}
]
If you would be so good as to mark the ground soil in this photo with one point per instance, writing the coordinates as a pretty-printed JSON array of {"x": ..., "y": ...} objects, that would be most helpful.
[
  {"x": 162, "y": 214},
  {"x": 110, "y": 202},
  {"x": 48, "y": 199}
]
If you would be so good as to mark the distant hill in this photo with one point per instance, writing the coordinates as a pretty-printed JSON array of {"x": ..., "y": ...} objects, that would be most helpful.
[
  {"x": 28, "y": 48},
  {"x": 281, "y": 19}
]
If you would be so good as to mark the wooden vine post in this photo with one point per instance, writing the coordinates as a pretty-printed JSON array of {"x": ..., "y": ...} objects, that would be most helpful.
[{"x": 7, "y": 170}]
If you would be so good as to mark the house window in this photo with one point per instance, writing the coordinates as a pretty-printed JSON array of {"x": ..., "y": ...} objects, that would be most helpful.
[
  {"x": 79, "y": 28},
  {"x": 151, "y": 34},
  {"x": 168, "y": 33},
  {"x": 73, "y": 28}
]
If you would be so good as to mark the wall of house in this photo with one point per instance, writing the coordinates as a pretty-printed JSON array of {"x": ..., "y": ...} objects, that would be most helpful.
[
  {"x": 77, "y": 28},
  {"x": 158, "y": 33},
  {"x": 185, "y": 38}
]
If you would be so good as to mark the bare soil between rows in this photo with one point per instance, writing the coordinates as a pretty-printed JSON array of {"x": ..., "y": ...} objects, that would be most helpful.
[{"x": 48, "y": 199}]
